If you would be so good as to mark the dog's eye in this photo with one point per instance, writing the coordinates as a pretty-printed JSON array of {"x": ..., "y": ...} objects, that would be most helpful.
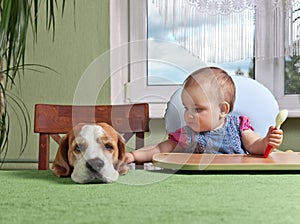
[
  {"x": 108, "y": 146},
  {"x": 79, "y": 147}
]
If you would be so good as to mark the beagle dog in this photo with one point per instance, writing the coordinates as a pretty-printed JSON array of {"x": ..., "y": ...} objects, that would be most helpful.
[{"x": 89, "y": 152}]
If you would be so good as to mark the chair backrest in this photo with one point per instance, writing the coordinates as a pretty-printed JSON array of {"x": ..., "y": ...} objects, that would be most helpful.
[
  {"x": 252, "y": 99},
  {"x": 52, "y": 120}
]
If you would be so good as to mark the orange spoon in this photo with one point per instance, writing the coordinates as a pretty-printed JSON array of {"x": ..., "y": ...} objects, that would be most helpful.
[{"x": 280, "y": 118}]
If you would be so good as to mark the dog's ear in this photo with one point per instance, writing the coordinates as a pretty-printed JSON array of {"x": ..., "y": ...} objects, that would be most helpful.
[
  {"x": 61, "y": 165},
  {"x": 121, "y": 166}
]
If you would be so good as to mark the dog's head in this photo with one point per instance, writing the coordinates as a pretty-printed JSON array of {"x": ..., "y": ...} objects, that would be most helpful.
[{"x": 91, "y": 151}]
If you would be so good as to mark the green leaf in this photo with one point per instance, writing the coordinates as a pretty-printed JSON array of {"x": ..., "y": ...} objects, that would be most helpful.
[{"x": 15, "y": 17}]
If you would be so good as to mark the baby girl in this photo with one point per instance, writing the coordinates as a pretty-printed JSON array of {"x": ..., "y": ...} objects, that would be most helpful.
[{"x": 208, "y": 97}]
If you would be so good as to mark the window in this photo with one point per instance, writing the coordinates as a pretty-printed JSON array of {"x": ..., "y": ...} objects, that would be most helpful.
[
  {"x": 292, "y": 63},
  {"x": 132, "y": 60},
  {"x": 191, "y": 37}
]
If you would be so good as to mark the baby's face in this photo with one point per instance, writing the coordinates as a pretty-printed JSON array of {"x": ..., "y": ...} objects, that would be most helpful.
[{"x": 202, "y": 110}]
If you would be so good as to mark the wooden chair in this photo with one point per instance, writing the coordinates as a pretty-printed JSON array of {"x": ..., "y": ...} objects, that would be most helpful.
[{"x": 53, "y": 120}]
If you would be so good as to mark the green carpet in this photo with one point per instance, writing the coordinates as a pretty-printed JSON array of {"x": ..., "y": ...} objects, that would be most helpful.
[{"x": 150, "y": 197}]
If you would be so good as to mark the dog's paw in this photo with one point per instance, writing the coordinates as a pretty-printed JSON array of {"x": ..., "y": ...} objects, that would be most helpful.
[{"x": 123, "y": 170}]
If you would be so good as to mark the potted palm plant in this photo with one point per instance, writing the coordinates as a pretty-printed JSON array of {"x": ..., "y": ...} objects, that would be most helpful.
[{"x": 17, "y": 17}]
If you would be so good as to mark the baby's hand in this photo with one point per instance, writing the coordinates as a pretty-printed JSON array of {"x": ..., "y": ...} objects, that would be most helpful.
[
  {"x": 129, "y": 158},
  {"x": 274, "y": 137}
]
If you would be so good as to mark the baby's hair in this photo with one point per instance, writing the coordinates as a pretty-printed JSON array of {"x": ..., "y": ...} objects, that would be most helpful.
[{"x": 218, "y": 78}]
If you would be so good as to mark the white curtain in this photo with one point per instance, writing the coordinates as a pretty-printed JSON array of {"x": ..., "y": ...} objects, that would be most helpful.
[{"x": 225, "y": 30}]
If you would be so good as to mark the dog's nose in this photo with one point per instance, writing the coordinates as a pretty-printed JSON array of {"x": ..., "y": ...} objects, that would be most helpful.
[{"x": 95, "y": 165}]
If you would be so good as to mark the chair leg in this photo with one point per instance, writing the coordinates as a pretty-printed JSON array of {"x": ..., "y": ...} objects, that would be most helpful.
[
  {"x": 44, "y": 151},
  {"x": 139, "y": 142}
]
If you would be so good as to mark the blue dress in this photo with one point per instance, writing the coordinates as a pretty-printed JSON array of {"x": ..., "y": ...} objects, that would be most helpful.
[{"x": 225, "y": 140}]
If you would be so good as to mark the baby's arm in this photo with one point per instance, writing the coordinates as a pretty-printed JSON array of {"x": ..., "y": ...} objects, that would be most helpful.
[
  {"x": 257, "y": 145},
  {"x": 145, "y": 154}
]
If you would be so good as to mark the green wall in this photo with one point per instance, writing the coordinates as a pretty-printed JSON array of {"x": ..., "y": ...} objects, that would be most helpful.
[
  {"x": 291, "y": 139},
  {"x": 81, "y": 37}
]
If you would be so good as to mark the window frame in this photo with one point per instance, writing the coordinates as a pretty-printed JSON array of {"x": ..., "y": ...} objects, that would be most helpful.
[{"x": 129, "y": 69}]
